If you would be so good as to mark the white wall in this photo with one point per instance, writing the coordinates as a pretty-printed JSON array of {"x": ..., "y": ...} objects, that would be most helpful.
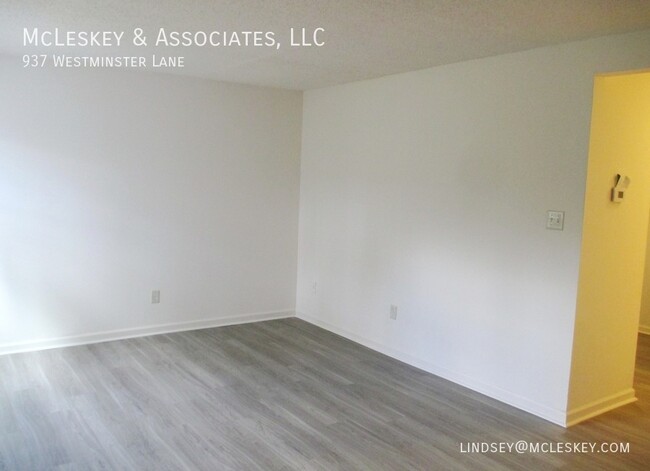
[
  {"x": 113, "y": 184},
  {"x": 429, "y": 190}
]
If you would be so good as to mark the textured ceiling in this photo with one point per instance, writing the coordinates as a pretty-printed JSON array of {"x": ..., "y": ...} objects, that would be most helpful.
[{"x": 364, "y": 38}]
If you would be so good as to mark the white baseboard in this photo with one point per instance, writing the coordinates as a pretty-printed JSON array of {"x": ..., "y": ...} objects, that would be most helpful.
[
  {"x": 555, "y": 416},
  {"x": 644, "y": 329},
  {"x": 83, "y": 339},
  {"x": 575, "y": 416}
]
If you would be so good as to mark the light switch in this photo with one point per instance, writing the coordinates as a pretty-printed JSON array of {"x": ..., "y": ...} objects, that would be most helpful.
[{"x": 555, "y": 220}]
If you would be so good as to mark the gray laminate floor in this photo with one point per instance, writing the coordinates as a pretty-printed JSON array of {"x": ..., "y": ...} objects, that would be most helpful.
[{"x": 273, "y": 395}]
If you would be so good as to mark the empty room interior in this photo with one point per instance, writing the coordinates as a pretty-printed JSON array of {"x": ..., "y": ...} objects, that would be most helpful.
[{"x": 324, "y": 235}]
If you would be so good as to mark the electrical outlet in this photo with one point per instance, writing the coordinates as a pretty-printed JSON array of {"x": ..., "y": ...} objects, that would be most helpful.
[
  {"x": 393, "y": 312},
  {"x": 155, "y": 296}
]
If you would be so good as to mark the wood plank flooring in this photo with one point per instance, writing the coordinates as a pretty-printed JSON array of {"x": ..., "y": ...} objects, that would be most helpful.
[{"x": 277, "y": 395}]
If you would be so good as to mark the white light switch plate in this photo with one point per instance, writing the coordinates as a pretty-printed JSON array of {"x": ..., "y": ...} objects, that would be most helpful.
[{"x": 555, "y": 220}]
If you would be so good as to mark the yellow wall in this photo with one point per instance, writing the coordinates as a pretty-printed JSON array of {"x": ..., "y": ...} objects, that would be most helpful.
[
  {"x": 644, "y": 323},
  {"x": 613, "y": 248}
]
